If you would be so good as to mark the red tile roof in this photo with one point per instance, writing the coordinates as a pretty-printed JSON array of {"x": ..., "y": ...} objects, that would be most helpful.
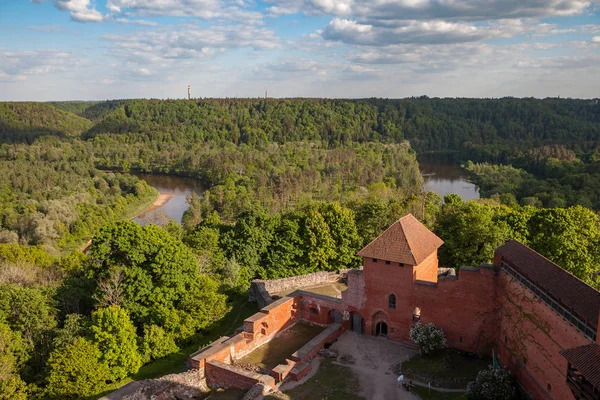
[
  {"x": 406, "y": 241},
  {"x": 569, "y": 290},
  {"x": 585, "y": 359}
]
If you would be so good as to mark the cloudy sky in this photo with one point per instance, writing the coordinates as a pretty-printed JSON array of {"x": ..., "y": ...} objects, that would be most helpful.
[{"x": 105, "y": 49}]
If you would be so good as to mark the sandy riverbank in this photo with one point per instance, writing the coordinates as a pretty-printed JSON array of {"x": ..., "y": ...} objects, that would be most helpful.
[{"x": 161, "y": 200}]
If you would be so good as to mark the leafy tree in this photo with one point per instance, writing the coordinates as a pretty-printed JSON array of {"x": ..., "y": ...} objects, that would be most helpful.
[
  {"x": 12, "y": 356},
  {"x": 493, "y": 383},
  {"x": 570, "y": 237},
  {"x": 318, "y": 243},
  {"x": 471, "y": 232},
  {"x": 76, "y": 370},
  {"x": 157, "y": 343},
  {"x": 162, "y": 284},
  {"x": 75, "y": 325},
  {"x": 116, "y": 338},
  {"x": 344, "y": 234}
]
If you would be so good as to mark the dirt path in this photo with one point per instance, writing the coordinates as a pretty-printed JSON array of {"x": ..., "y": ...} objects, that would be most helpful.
[{"x": 374, "y": 361}]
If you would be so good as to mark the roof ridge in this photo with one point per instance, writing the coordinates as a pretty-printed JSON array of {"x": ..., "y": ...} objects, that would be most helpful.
[
  {"x": 414, "y": 259},
  {"x": 552, "y": 262}
]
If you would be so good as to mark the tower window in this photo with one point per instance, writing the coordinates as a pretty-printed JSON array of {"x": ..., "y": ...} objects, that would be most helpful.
[
  {"x": 374, "y": 260},
  {"x": 387, "y": 262},
  {"x": 417, "y": 314},
  {"x": 549, "y": 386},
  {"x": 392, "y": 301}
]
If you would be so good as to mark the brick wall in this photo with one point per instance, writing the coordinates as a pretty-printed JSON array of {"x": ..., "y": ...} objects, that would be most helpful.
[
  {"x": 223, "y": 375},
  {"x": 531, "y": 336}
]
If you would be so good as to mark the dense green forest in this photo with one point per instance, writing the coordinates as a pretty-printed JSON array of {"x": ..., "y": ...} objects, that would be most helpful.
[{"x": 292, "y": 186}]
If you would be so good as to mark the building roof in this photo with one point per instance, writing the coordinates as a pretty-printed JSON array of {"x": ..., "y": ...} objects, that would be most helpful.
[
  {"x": 406, "y": 241},
  {"x": 564, "y": 287},
  {"x": 585, "y": 359}
]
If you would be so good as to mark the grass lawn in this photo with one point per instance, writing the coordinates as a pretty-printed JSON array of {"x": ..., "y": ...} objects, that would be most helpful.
[
  {"x": 332, "y": 382},
  {"x": 174, "y": 363},
  {"x": 426, "y": 394},
  {"x": 274, "y": 352},
  {"x": 448, "y": 369}
]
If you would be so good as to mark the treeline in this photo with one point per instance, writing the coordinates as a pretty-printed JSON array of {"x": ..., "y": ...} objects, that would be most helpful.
[
  {"x": 25, "y": 122},
  {"x": 51, "y": 194},
  {"x": 485, "y": 129},
  {"x": 473, "y": 230},
  {"x": 548, "y": 176}
]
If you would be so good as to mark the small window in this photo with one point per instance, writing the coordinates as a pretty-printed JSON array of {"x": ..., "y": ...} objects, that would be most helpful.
[
  {"x": 392, "y": 301},
  {"x": 524, "y": 360},
  {"x": 549, "y": 387},
  {"x": 314, "y": 311},
  {"x": 387, "y": 262},
  {"x": 374, "y": 260},
  {"x": 417, "y": 314}
]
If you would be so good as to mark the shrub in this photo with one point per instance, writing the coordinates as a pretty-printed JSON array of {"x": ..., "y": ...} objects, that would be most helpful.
[
  {"x": 157, "y": 343},
  {"x": 492, "y": 384},
  {"x": 428, "y": 338}
]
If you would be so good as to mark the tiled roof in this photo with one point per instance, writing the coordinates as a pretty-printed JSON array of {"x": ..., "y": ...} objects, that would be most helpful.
[
  {"x": 569, "y": 290},
  {"x": 585, "y": 359},
  {"x": 406, "y": 241}
]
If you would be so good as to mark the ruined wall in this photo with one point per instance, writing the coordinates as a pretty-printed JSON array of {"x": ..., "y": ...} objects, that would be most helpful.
[
  {"x": 262, "y": 290},
  {"x": 221, "y": 375},
  {"x": 530, "y": 338}
]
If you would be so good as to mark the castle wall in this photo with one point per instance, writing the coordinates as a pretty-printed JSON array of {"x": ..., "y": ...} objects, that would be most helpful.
[{"x": 530, "y": 338}]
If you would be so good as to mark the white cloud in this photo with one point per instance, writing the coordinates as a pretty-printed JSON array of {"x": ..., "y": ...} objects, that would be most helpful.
[
  {"x": 80, "y": 10},
  {"x": 425, "y": 32},
  {"x": 230, "y": 10},
  {"x": 369, "y": 11},
  {"x": 595, "y": 39},
  {"x": 19, "y": 65}
]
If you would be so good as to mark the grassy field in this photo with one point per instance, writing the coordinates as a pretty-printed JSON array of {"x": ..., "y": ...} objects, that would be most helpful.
[
  {"x": 275, "y": 352},
  {"x": 448, "y": 369},
  {"x": 240, "y": 309},
  {"x": 332, "y": 382}
]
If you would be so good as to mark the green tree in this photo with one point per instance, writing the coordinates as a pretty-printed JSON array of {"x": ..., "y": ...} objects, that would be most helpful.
[
  {"x": 570, "y": 237},
  {"x": 471, "y": 233},
  {"x": 344, "y": 234},
  {"x": 161, "y": 282},
  {"x": 157, "y": 343},
  {"x": 12, "y": 357},
  {"x": 319, "y": 246},
  {"x": 116, "y": 338},
  {"x": 76, "y": 370}
]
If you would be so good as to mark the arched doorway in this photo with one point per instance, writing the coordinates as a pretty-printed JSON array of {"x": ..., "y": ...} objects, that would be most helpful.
[
  {"x": 381, "y": 329},
  {"x": 357, "y": 323},
  {"x": 379, "y": 324}
]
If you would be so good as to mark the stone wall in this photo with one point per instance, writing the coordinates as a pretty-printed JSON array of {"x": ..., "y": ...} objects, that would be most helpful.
[{"x": 262, "y": 291}]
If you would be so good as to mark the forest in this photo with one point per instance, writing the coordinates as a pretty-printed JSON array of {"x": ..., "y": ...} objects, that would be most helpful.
[{"x": 292, "y": 186}]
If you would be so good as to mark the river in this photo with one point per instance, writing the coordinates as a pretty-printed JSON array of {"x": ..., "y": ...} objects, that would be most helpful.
[
  {"x": 443, "y": 176},
  {"x": 178, "y": 187}
]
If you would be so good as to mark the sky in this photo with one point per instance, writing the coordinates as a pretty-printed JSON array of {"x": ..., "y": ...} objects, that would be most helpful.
[{"x": 113, "y": 49}]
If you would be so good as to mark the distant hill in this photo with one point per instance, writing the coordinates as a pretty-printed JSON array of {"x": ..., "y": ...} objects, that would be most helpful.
[
  {"x": 486, "y": 128},
  {"x": 92, "y": 110},
  {"x": 24, "y": 122}
]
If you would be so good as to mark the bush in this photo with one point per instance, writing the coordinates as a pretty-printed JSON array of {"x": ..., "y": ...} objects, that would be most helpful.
[
  {"x": 428, "y": 338},
  {"x": 157, "y": 343},
  {"x": 492, "y": 384}
]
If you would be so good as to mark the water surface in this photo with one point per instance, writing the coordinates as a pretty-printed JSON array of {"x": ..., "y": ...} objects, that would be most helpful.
[
  {"x": 179, "y": 187},
  {"x": 443, "y": 175}
]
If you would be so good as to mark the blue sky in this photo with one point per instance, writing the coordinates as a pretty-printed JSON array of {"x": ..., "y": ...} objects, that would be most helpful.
[{"x": 105, "y": 49}]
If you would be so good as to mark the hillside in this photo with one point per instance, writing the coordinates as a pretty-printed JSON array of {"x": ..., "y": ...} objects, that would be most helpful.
[
  {"x": 486, "y": 128},
  {"x": 24, "y": 122}
]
